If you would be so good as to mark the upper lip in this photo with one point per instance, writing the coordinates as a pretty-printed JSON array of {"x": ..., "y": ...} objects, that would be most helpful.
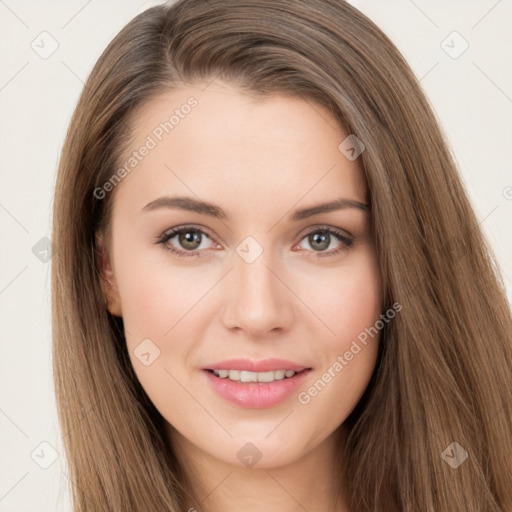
[{"x": 262, "y": 365}]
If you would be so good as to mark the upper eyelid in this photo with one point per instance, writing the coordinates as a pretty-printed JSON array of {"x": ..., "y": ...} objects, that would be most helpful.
[{"x": 172, "y": 232}]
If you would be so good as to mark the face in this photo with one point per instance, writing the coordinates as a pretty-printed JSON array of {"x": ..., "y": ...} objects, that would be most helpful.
[{"x": 242, "y": 274}]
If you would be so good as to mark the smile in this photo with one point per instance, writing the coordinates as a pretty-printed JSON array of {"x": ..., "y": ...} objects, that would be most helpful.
[
  {"x": 255, "y": 390},
  {"x": 246, "y": 376}
]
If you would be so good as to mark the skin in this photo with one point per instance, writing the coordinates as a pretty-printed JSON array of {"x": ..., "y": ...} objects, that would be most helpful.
[{"x": 259, "y": 160}]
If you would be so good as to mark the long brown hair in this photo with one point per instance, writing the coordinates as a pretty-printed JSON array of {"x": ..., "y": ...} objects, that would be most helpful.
[{"x": 444, "y": 371}]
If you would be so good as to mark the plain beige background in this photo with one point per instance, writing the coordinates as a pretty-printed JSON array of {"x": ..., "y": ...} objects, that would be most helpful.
[{"x": 469, "y": 88}]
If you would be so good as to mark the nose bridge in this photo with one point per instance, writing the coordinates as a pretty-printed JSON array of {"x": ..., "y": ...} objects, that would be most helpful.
[
  {"x": 255, "y": 277},
  {"x": 257, "y": 300}
]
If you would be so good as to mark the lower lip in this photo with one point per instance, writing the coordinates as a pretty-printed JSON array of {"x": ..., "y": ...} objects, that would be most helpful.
[{"x": 256, "y": 395}]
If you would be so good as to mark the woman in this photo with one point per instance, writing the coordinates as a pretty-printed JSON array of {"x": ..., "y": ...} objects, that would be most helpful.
[{"x": 271, "y": 290}]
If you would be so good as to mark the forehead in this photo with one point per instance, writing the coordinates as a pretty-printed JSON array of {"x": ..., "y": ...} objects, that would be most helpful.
[{"x": 214, "y": 140}]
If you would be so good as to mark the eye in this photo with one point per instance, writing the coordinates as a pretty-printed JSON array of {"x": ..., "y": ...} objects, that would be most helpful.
[
  {"x": 187, "y": 237},
  {"x": 189, "y": 241},
  {"x": 321, "y": 238}
]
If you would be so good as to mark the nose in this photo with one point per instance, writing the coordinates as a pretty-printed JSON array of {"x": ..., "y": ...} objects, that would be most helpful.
[{"x": 258, "y": 300}]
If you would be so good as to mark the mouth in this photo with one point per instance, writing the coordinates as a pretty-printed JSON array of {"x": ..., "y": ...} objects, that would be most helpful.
[
  {"x": 245, "y": 376},
  {"x": 255, "y": 390}
]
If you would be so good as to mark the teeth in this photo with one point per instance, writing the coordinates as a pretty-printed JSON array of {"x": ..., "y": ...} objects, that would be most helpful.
[
  {"x": 246, "y": 376},
  {"x": 233, "y": 374}
]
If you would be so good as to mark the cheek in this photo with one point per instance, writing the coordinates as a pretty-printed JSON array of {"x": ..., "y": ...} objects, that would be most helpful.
[
  {"x": 359, "y": 308},
  {"x": 155, "y": 296},
  {"x": 149, "y": 303},
  {"x": 350, "y": 302},
  {"x": 351, "y": 306},
  {"x": 155, "y": 302}
]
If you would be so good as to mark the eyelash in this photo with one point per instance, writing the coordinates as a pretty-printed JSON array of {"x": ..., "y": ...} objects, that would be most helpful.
[{"x": 346, "y": 243}]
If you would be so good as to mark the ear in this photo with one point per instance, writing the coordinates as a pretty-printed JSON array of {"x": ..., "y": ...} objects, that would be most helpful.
[{"x": 108, "y": 281}]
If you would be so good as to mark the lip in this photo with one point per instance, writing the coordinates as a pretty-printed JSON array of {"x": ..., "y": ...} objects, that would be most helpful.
[
  {"x": 263, "y": 365},
  {"x": 255, "y": 395}
]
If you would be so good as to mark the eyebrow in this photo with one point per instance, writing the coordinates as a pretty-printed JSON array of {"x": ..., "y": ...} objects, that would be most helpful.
[{"x": 204, "y": 208}]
